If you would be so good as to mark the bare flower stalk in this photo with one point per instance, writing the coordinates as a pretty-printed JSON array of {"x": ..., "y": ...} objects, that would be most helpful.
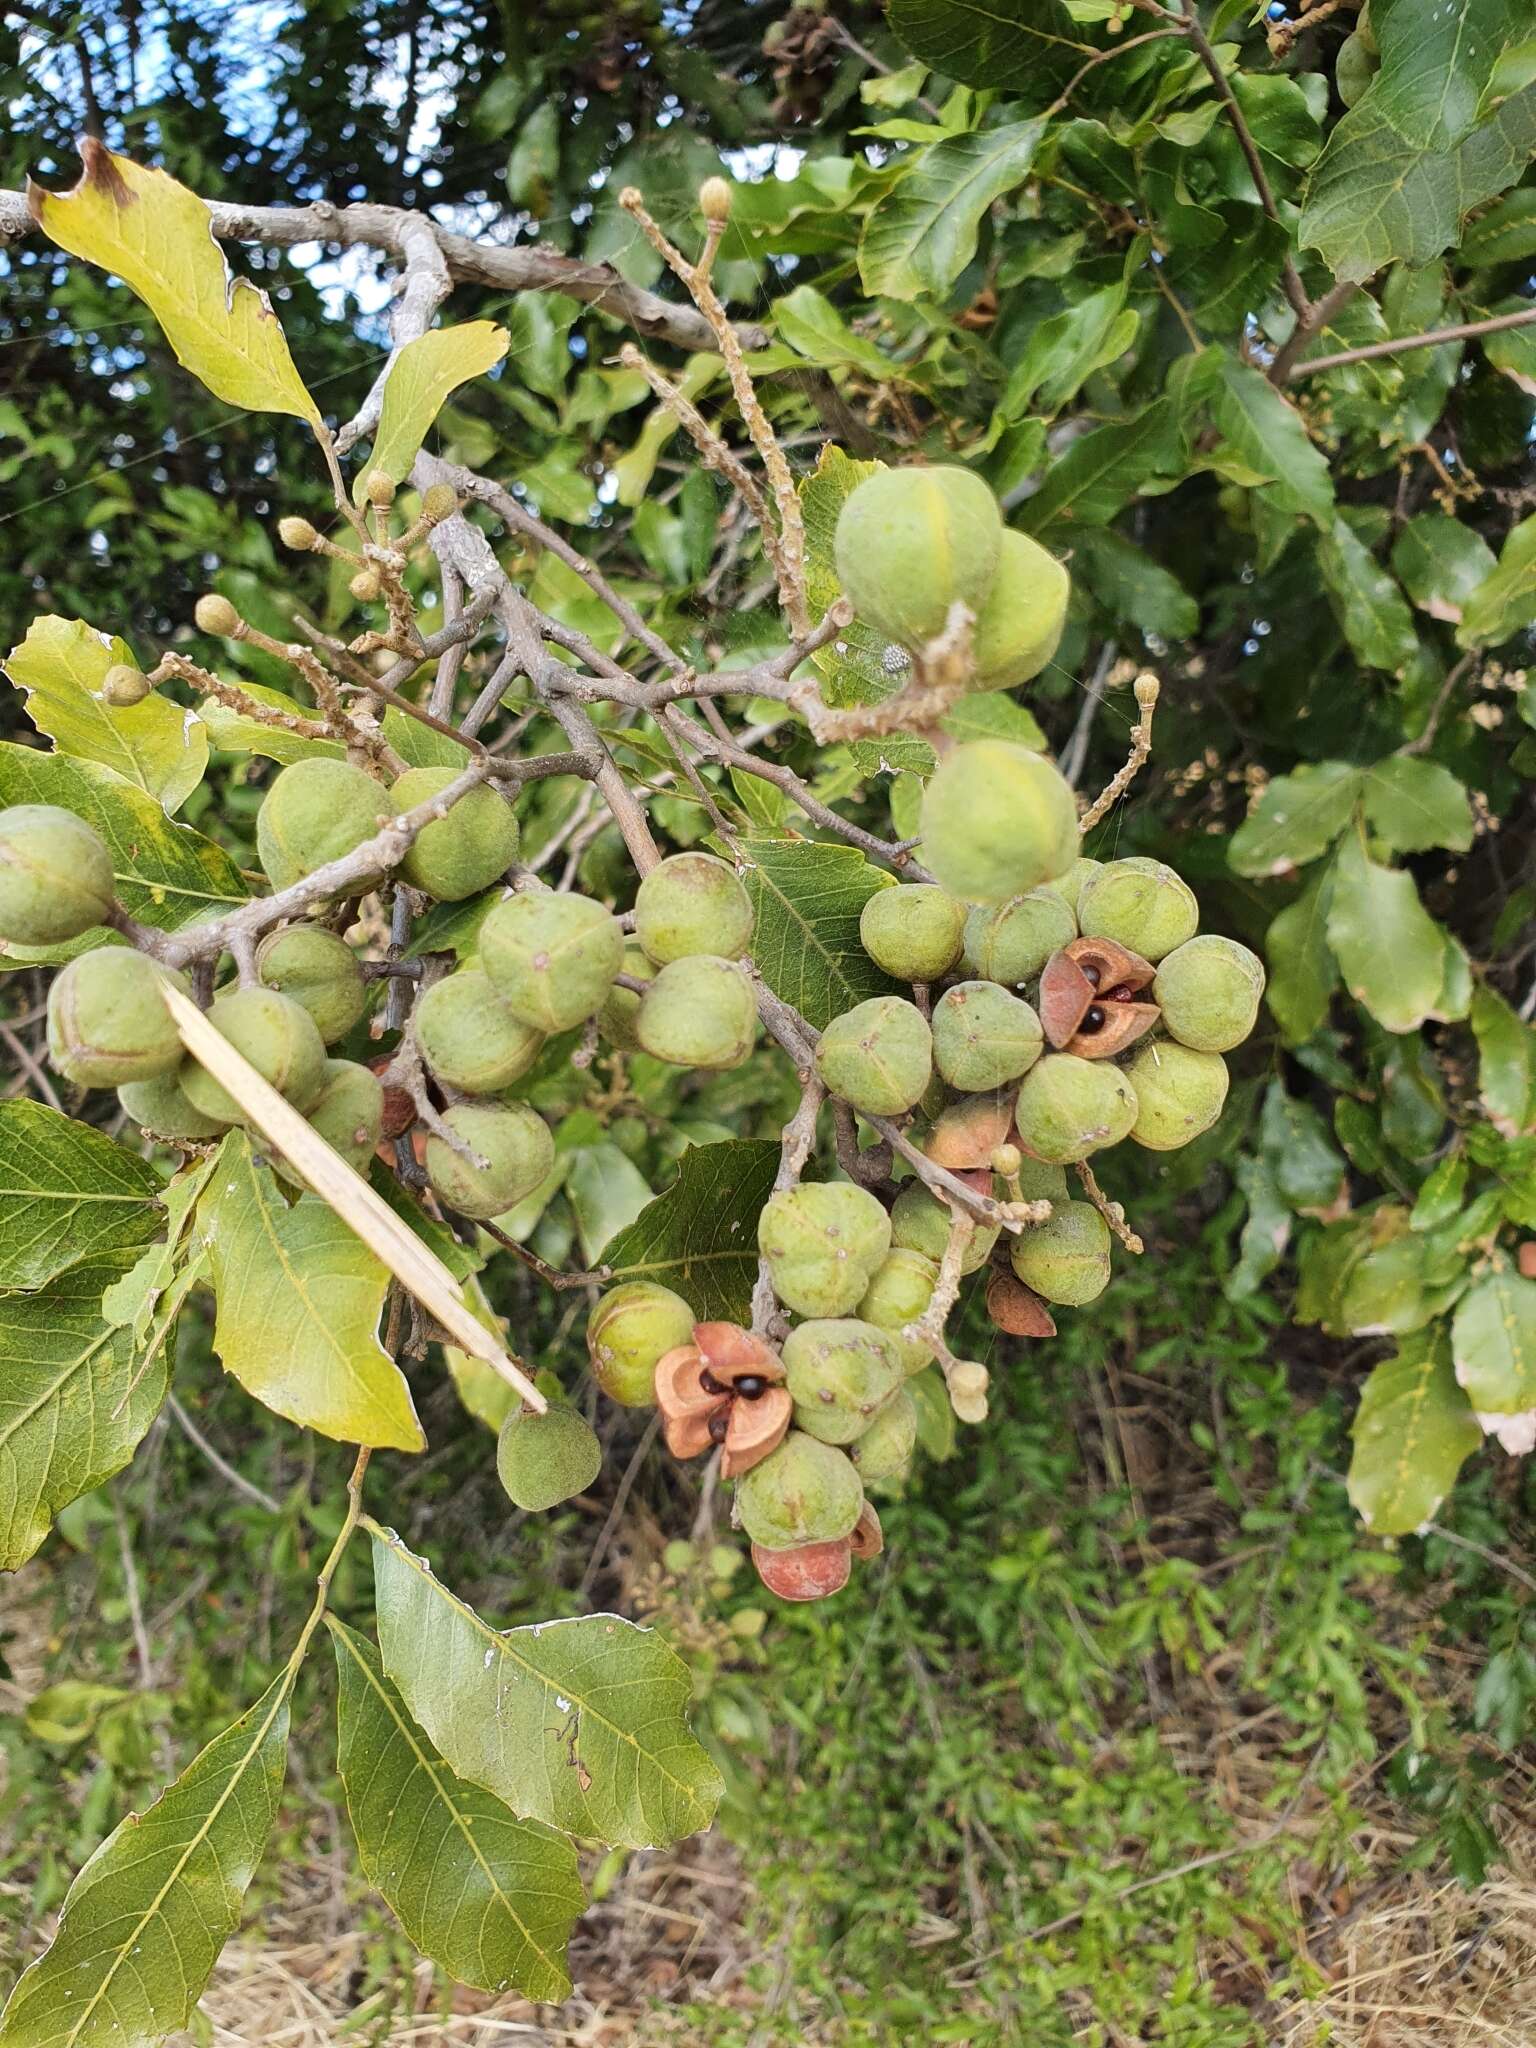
[{"x": 1147, "y": 689}]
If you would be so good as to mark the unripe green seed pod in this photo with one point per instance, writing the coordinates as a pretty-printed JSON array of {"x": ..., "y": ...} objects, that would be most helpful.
[
  {"x": 1070, "y": 885},
  {"x": 920, "y": 1223},
  {"x": 715, "y": 200},
  {"x": 912, "y": 542},
  {"x": 542, "y": 1460},
  {"x": 277, "y": 1035},
  {"x": 983, "y": 1036},
  {"x": 468, "y": 1036},
  {"x": 215, "y": 615},
  {"x": 123, "y": 686},
  {"x": 804, "y": 1492},
  {"x": 997, "y": 821},
  {"x": 514, "y": 1142},
  {"x": 621, "y": 1006},
  {"x": 55, "y": 875},
  {"x": 107, "y": 1019},
  {"x": 439, "y": 502},
  {"x": 913, "y": 931},
  {"x": 823, "y": 1241},
  {"x": 691, "y": 904},
  {"x": 1012, "y": 942},
  {"x": 878, "y": 1056},
  {"x": 1041, "y": 1183},
  {"x": 1069, "y": 1108},
  {"x": 882, "y": 1456},
  {"x": 1020, "y": 623},
  {"x": 1179, "y": 1093},
  {"x": 463, "y": 853},
  {"x": 838, "y": 1372},
  {"x": 316, "y": 811},
  {"x": 161, "y": 1108},
  {"x": 1209, "y": 990},
  {"x": 629, "y": 1329},
  {"x": 699, "y": 1012},
  {"x": 551, "y": 957},
  {"x": 320, "y": 971},
  {"x": 296, "y": 533},
  {"x": 349, "y": 1111},
  {"x": 1139, "y": 903},
  {"x": 898, "y": 1293},
  {"x": 1066, "y": 1259}
]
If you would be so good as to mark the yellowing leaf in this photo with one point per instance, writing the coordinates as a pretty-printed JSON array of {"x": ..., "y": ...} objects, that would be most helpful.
[
  {"x": 419, "y": 382},
  {"x": 158, "y": 238},
  {"x": 1412, "y": 1432}
]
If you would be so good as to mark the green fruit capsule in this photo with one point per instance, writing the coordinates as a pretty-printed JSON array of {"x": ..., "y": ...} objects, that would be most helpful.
[
  {"x": 1208, "y": 990},
  {"x": 1070, "y": 885},
  {"x": 804, "y": 1492},
  {"x": 470, "y": 1038},
  {"x": 691, "y": 904},
  {"x": 320, "y": 971},
  {"x": 878, "y": 1056},
  {"x": 912, "y": 542},
  {"x": 56, "y": 876},
  {"x": 348, "y": 1114},
  {"x": 160, "y": 1108},
  {"x": 460, "y": 854},
  {"x": 997, "y": 821},
  {"x": 897, "y": 1295},
  {"x": 882, "y": 1456},
  {"x": 514, "y": 1147},
  {"x": 1179, "y": 1093},
  {"x": 1020, "y": 623},
  {"x": 1069, "y": 1108},
  {"x": 278, "y": 1037},
  {"x": 839, "y": 1373},
  {"x": 1139, "y": 903},
  {"x": 621, "y": 1006},
  {"x": 542, "y": 1460},
  {"x": 551, "y": 957},
  {"x": 699, "y": 1012},
  {"x": 1038, "y": 1182},
  {"x": 1066, "y": 1258},
  {"x": 315, "y": 812},
  {"x": 983, "y": 1036},
  {"x": 107, "y": 1019},
  {"x": 913, "y": 931},
  {"x": 629, "y": 1329},
  {"x": 920, "y": 1222},
  {"x": 823, "y": 1242},
  {"x": 1012, "y": 941}
]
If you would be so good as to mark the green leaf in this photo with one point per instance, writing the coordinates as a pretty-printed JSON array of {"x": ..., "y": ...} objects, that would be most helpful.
[
  {"x": 421, "y": 379},
  {"x": 1297, "y": 1147},
  {"x": 1440, "y": 562},
  {"x": 1390, "y": 951},
  {"x": 1506, "y": 1063},
  {"x": 806, "y": 899},
  {"x": 699, "y": 1237},
  {"x": 157, "y": 237},
  {"x": 852, "y": 667},
  {"x": 1302, "y": 971},
  {"x": 1412, "y": 1433},
  {"x": 1442, "y": 1194},
  {"x": 1506, "y": 233},
  {"x": 1505, "y": 600},
  {"x": 581, "y": 1724},
  {"x": 1067, "y": 348},
  {"x": 1413, "y": 804},
  {"x": 67, "y": 1193},
  {"x": 606, "y": 1191},
  {"x": 76, "y": 1397},
  {"x": 1266, "y": 1230},
  {"x": 1297, "y": 818},
  {"x": 1133, "y": 587},
  {"x": 489, "y": 1897},
  {"x": 156, "y": 745},
  {"x": 1021, "y": 48},
  {"x": 299, "y": 1301},
  {"x": 1267, "y": 432},
  {"x": 1372, "y": 610},
  {"x": 921, "y": 234},
  {"x": 1493, "y": 1341},
  {"x": 813, "y": 325},
  {"x": 1104, "y": 469},
  {"x": 147, "y": 1915}
]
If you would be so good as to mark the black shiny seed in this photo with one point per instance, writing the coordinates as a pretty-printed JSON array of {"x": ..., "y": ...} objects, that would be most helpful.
[
  {"x": 750, "y": 1385},
  {"x": 1093, "y": 1021},
  {"x": 1091, "y": 974},
  {"x": 710, "y": 1384}
]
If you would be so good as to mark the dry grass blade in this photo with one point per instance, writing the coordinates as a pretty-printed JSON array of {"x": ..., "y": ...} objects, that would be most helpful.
[{"x": 414, "y": 1265}]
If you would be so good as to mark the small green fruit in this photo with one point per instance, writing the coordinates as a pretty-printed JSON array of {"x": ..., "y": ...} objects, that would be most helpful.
[
  {"x": 1012, "y": 942},
  {"x": 161, "y": 1108},
  {"x": 320, "y": 971},
  {"x": 804, "y": 1492},
  {"x": 912, "y": 542},
  {"x": 1139, "y": 903},
  {"x": 460, "y": 854},
  {"x": 691, "y": 904},
  {"x": 542, "y": 1460},
  {"x": 107, "y": 1020},
  {"x": 1041, "y": 1183},
  {"x": 897, "y": 1295},
  {"x": 1020, "y": 623},
  {"x": 913, "y": 931},
  {"x": 823, "y": 1242},
  {"x": 56, "y": 876},
  {"x": 882, "y": 1456},
  {"x": 278, "y": 1037},
  {"x": 878, "y": 1056},
  {"x": 621, "y": 1006},
  {"x": 997, "y": 821},
  {"x": 1070, "y": 885},
  {"x": 629, "y": 1329},
  {"x": 839, "y": 1372},
  {"x": 470, "y": 1038},
  {"x": 349, "y": 1112},
  {"x": 315, "y": 812},
  {"x": 551, "y": 957},
  {"x": 1066, "y": 1259},
  {"x": 515, "y": 1144},
  {"x": 123, "y": 686},
  {"x": 1209, "y": 990},
  {"x": 920, "y": 1223},
  {"x": 1069, "y": 1108},
  {"x": 983, "y": 1036},
  {"x": 1179, "y": 1093},
  {"x": 699, "y": 1012}
]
